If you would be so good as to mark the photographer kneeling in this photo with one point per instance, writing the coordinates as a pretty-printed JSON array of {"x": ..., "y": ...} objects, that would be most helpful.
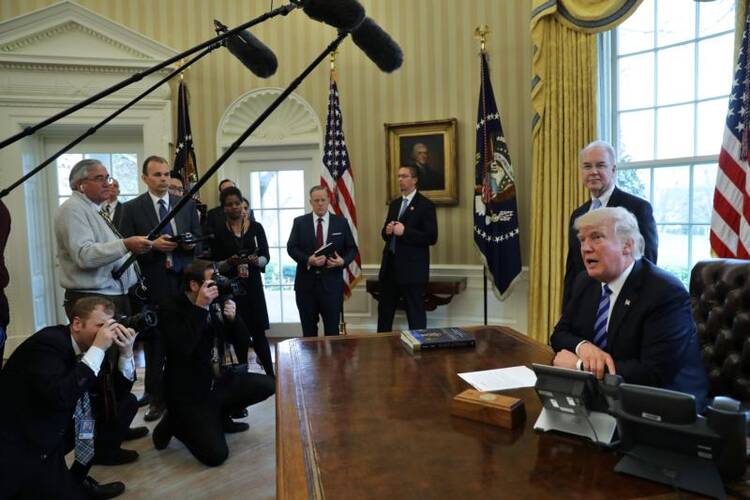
[{"x": 199, "y": 392}]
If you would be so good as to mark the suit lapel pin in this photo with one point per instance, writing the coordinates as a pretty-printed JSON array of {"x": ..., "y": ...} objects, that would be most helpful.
[
  {"x": 627, "y": 302},
  {"x": 411, "y": 208}
]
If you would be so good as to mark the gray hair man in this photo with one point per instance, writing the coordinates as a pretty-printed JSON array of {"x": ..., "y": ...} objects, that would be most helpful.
[
  {"x": 598, "y": 173},
  {"x": 625, "y": 315},
  {"x": 89, "y": 248}
]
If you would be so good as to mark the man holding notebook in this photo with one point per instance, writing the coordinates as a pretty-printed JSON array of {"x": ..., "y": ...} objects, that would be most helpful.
[{"x": 322, "y": 245}]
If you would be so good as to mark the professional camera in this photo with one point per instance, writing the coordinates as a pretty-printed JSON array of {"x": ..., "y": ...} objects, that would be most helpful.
[
  {"x": 147, "y": 318},
  {"x": 228, "y": 288}
]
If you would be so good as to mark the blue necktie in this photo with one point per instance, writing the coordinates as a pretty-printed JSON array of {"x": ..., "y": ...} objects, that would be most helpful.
[
  {"x": 595, "y": 203},
  {"x": 600, "y": 325},
  {"x": 404, "y": 204},
  {"x": 84, "y": 447},
  {"x": 163, "y": 213}
]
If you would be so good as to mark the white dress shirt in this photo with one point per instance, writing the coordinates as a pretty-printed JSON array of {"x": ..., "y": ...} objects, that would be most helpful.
[
  {"x": 604, "y": 198},
  {"x": 155, "y": 200},
  {"x": 326, "y": 218}
]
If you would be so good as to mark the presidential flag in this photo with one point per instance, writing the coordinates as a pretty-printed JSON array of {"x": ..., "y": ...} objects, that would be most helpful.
[
  {"x": 495, "y": 210},
  {"x": 184, "y": 161},
  {"x": 730, "y": 221},
  {"x": 338, "y": 178}
]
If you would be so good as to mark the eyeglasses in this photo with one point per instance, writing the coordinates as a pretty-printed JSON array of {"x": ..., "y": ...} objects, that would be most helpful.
[
  {"x": 101, "y": 179},
  {"x": 601, "y": 167}
]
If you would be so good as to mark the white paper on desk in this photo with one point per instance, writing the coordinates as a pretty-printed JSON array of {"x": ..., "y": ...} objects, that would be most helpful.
[{"x": 500, "y": 379}]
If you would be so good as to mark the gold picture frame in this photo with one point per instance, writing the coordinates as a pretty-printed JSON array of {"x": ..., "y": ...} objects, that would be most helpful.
[{"x": 435, "y": 140}]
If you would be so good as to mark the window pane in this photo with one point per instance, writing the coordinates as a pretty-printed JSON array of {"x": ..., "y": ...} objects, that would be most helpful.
[
  {"x": 675, "y": 20},
  {"x": 716, "y": 16},
  {"x": 711, "y": 121},
  {"x": 676, "y": 74},
  {"x": 273, "y": 303},
  {"x": 675, "y": 132},
  {"x": 288, "y": 268},
  {"x": 637, "y": 32},
  {"x": 286, "y": 221},
  {"x": 64, "y": 166},
  {"x": 671, "y": 195},
  {"x": 291, "y": 189},
  {"x": 715, "y": 63},
  {"x": 271, "y": 276},
  {"x": 636, "y": 131},
  {"x": 62, "y": 200},
  {"x": 635, "y": 181},
  {"x": 102, "y": 157},
  {"x": 700, "y": 243},
  {"x": 269, "y": 219},
  {"x": 289, "y": 304},
  {"x": 673, "y": 255},
  {"x": 704, "y": 179},
  {"x": 125, "y": 170},
  {"x": 266, "y": 195},
  {"x": 635, "y": 84}
]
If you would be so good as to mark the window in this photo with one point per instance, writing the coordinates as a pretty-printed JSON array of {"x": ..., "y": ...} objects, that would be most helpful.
[
  {"x": 276, "y": 198},
  {"x": 121, "y": 166},
  {"x": 672, "y": 66}
]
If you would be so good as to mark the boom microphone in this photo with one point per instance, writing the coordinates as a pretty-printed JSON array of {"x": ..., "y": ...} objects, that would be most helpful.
[
  {"x": 251, "y": 52},
  {"x": 341, "y": 14},
  {"x": 378, "y": 45}
]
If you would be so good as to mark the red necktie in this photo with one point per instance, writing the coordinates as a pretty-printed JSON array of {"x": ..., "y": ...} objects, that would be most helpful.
[{"x": 319, "y": 232}]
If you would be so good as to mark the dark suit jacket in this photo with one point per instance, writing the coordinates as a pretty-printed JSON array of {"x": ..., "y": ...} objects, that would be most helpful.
[
  {"x": 646, "y": 224},
  {"x": 117, "y": 216},
  {"x": 188, "y": 340},
  {"x": 40, "y": 386},
  {"x": 651, "y": 336},
  {"x": 412, "y": 258},
  {"x": 139, "y": 218},
  {"x": 302, "y": 244}
]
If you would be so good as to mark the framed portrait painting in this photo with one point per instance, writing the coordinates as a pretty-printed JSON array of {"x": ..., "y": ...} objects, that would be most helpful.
[{"x": 430, "y": 147}]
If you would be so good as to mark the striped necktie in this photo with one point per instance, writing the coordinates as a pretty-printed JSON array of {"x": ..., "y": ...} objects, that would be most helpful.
[
  {"x": 84, "y": 446},
  {"x": 602, "y": 314}
]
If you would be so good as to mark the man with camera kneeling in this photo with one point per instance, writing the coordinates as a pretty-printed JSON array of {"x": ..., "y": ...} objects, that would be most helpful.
[{"x": 199, "y": 392}]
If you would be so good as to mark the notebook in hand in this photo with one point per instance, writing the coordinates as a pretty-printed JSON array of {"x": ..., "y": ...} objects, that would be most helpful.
[
  {"x": 326, "y": 250},
  {"x": 433, "y": 338}
]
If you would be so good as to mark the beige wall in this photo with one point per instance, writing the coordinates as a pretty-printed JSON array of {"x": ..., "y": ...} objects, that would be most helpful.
[{"x": 439, "y": 79}]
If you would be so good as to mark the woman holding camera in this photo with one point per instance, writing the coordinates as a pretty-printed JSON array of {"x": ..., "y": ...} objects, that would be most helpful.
[{"x": 241, "y": 247}]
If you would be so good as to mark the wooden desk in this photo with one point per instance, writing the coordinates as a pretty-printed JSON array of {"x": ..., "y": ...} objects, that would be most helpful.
[{"x": 360, "y": 417}]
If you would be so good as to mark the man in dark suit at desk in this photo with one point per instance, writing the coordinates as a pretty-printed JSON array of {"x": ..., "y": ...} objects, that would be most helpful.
[
  {"x": 598, "y": 172},
  {"x": 409, "y": 230},
  {"x": 162, "y": 267},
  {"x": 46, "y": 388},
  {"x": 625, "y": 314},
  {"x": 319, "y": 283}
]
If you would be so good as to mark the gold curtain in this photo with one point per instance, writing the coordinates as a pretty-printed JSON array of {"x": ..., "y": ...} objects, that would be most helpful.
[{"x": 563, "y": 98}]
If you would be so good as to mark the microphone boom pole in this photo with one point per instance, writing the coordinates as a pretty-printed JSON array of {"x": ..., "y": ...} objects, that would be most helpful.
[
  {"x": 155, "y": 232},
  {"x": 91, "y": 131},
  {"x": 27, "y": 131}
]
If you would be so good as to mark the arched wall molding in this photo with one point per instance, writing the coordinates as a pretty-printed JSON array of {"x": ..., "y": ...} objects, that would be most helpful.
[{"x": 294, "y": 122}]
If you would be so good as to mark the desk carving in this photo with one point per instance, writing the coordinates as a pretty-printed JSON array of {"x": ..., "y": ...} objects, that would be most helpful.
[{"x": 439, "y": 291}]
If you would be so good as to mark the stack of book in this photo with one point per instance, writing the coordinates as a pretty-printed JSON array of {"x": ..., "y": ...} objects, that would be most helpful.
[{"x": 434, "y": 338}]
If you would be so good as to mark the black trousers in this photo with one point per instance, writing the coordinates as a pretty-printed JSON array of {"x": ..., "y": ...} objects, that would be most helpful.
[
  {"x": 25, "y": 474},
  {"x": 315, "y": 303},
  {"x": 109, "y": 433},
  {"x": 257, "y": 337},
  {"x": 391, "y": 292},
  {"x": 199, "y": 425}
]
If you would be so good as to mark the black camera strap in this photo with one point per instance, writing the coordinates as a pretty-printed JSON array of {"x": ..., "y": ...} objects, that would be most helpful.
[{"x": 141, "y": 286}]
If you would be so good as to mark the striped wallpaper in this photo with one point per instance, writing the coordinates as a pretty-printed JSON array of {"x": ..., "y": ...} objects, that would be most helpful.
[{"x": 439, "y": 79}]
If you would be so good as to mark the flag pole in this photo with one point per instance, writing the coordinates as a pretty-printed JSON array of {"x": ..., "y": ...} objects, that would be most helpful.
[
  {"x": 481, "y": 33},
  {"x": 342, "y": 323}
]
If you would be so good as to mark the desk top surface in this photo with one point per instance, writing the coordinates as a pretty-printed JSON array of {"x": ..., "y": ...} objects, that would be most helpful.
[{"x": 361, "y": 417}]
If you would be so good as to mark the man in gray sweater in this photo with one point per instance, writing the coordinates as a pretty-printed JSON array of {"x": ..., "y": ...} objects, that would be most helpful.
[{"x": 88, "y": 246}]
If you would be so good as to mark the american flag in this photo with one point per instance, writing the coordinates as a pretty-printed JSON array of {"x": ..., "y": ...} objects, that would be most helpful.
[
  {"x": 184, "y": 161},
  {"x": 730, "y": 222},
  {"x": 495, "y": 211},
  {"x": 337, "y": 176}
]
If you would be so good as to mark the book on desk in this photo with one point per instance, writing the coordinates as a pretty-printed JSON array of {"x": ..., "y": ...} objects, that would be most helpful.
[{"x": 436, "y": 338}]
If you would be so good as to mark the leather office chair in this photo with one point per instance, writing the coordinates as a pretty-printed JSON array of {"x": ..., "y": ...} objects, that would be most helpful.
[{"x": 720, "y": 299}]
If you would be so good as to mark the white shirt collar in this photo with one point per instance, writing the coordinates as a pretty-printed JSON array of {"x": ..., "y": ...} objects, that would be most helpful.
[
  {"x": 325, "y": 217},
  {"x": 604, "y": 198},
  {"x": 616, "y": 284},
  {"x": 76, "y": 349},
  {"x": 155, "y": 199},
  {"x": 409, "y": 196}
]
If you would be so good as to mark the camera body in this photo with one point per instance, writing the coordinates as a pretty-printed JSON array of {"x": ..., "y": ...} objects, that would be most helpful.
[
  {"x": 228, "y": 288},
  {"x": 143, "y": 320}
]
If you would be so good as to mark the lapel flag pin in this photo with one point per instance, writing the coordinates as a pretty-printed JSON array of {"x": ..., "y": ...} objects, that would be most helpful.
[{"x": 627, "y": 302}]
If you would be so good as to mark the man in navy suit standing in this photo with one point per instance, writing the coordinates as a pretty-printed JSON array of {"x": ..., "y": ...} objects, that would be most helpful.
[
  {"x": 162, "y": 267},
  {"x": 598, "y": 172},
  {"x": 319, "y": 283},
  {"x": 625, "y": 314},
  {"x": 409, "y": 230}
]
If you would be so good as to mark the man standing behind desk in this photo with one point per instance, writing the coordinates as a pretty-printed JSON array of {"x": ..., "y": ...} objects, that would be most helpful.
[
  {"x": 627, "y": 315},
  {"x": 319, "y": 283},
  {"x": 162, "y": 268},
  {"x": 598, "y": 172},
  {"x": 409, "y": 230}
]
